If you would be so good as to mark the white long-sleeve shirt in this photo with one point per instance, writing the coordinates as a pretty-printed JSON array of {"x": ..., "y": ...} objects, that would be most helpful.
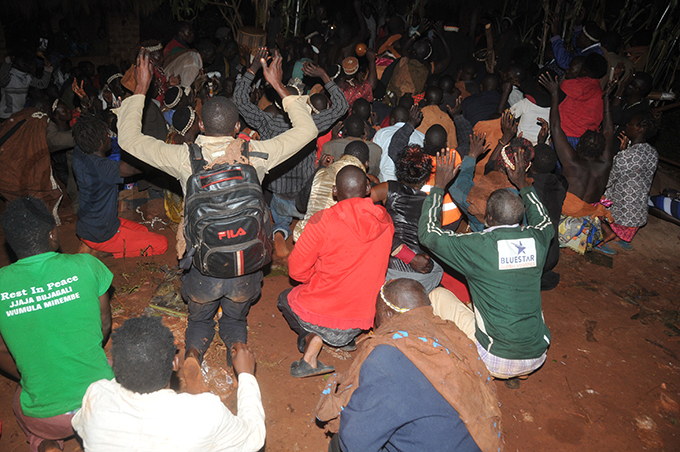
[{"x": 115, "y": 419}]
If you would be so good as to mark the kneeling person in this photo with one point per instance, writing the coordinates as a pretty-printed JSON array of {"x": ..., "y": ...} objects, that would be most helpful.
[
  {"x": 340, "y": 259},
  {"x": 138, "y": 410}
]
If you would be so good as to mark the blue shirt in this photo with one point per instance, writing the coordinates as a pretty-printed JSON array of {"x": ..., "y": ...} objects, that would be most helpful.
[
  {"x": 396, "y": 409},
  {"x": 98, "y": 180}
]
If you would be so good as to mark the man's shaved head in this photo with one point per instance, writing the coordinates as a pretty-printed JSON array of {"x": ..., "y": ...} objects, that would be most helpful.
[
  {"x": 319, "y": 101},
  {"x": 219, "y": 116},
  {"x": 435, "y": 139},
  {"x": 398, "y": 114},
  {"x": 351, "y": 182},
  {"x": 362, "y": 108},
  {"x": 434, "y": 96},
  {"x": 354, "y": 126},
  {"x": 403, "y": 293},
  {"x": 447, "y": 83},
  {"x": 490, "y": 82}
]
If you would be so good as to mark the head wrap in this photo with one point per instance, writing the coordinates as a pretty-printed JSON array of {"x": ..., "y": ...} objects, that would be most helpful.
[
  {"x": 172, "y": 102},
  {"x": 155, "y": 48},
  {"x": 113, "y": 77},
  {"x": 350, "y": 65},
  {"x": 192, "y": 118},
  {"x": 55, "y": 104}
]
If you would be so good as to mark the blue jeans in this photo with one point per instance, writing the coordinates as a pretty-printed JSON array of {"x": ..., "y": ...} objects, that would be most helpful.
[
  {"x": 283, "y": 212},
  {"x": 205, "y": 295}
]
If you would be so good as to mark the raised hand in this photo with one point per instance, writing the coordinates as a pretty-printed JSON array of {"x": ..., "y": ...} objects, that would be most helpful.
[
  {"x": 543, "y": 133},
  {"x": 518, "y": 175},
  {"x": 551, "y": 84},
  {"x": 274, "y": 72},
  {"x": 314, "y": 70},
  {"x": 446, "y": 169},
  {"x": 415, "y": 116},
  {"x": 260, "y": 55},
  {"x": 457, "y": 109},
  {"x": 143, "y": 74},
  {"x": 478, "y": 145},
  {"x": 508, "y": 126}
]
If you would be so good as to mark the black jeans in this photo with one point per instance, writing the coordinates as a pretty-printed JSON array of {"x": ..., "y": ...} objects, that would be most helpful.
[{"x": 205, "y": 295}]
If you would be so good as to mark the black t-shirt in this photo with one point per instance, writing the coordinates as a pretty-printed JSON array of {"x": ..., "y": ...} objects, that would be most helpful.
[{"x": 98, "y": 180}]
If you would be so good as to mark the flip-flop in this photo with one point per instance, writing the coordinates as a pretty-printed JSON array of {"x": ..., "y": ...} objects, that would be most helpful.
[
  {"x": 605, "y": 249},
  {"x": 301, "y": 369},
  {"x": 627, "y": 246}
]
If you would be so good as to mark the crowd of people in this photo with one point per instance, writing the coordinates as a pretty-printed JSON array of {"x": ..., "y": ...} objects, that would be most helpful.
[{"x": 416, "y": 189}]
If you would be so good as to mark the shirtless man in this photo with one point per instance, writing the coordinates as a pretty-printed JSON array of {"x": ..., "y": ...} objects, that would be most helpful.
[{"x": 586, "y": 167}]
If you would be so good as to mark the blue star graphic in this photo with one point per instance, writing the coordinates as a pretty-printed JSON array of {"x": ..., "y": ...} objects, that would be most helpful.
[{"x": 520, "y": 248}]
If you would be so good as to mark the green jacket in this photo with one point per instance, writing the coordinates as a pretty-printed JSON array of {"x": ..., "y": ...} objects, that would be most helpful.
[{"x": 503, "y": 266}]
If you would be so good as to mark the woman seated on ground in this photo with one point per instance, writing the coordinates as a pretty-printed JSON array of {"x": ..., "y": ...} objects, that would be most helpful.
[{"x": 403, "y": 200}]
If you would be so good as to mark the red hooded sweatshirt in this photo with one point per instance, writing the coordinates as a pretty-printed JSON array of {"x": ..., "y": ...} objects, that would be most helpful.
[
  {"x": 581, "y": 110},
  {"x": 341, "y": 260}
]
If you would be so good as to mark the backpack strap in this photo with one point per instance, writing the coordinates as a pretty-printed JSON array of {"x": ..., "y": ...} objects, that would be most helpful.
[
  {"x": 247, "y": 153},
  {"x": 196, "y": 158}
]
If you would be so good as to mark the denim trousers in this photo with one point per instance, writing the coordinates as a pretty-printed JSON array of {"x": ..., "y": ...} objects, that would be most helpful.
[{"x": 283, "y": 211}]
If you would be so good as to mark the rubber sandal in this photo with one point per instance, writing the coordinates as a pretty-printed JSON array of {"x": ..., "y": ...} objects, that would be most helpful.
[
  {"x": 512, "y": 383},
  {"x": 301, "y": 369},
  {"x": 352, "y": 346},
  {"x": 626, "y": 246},
  {"x": 605, "y": 249}
]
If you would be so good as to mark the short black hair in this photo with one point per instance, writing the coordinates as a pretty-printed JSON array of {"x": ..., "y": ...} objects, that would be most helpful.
[
  {"x": 505, "y": 207},
  {"x": 354, "y": 126},
  {"x": 591, "y": 144},
  {"x": 219, "y": 116},
  {"x": 351, "y": 183},
  {"x": 434, "y": 95},
  {"x": 447, "y": 84},
  {"x": 435, "y": 139},
  {"x": 319, "y": 101},
  {"x": 545, "y": 159},
  {"x": 362, "y": 108},
  {"x": 142, "y": 350},
  {"x": 399, "y": 114},
  {"x": 595, "y": 65},
  {"x": 27, "y": 224},
  {"x": 358, "y": 149},
  {"x": 413, "y": 166},
  {"x": 89, "y": 132}
]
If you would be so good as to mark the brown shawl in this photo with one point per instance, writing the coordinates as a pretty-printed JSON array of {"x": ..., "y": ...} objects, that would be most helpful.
[
  {"x": 447, "y": 358},
  {"x": 25, "y": 160}
]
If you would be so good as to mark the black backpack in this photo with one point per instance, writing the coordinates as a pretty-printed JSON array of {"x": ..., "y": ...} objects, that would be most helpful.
[{"x": 226, "y": 220}]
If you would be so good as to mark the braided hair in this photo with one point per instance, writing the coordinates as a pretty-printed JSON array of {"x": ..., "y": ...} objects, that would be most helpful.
[{"x": 413, "y": 166}]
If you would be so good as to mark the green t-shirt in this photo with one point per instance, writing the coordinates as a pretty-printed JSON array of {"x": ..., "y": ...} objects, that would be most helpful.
[{"x": 51, "y": 322}]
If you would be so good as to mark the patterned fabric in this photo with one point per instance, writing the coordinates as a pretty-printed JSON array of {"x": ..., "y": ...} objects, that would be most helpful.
[
  {"x": 501, "y": 367},
  {"x": 629, "y": 183},
  {"x": 580, "y": 234},
  {"x": 625, "y": 233},
  {"x": 354, "y": 92}
]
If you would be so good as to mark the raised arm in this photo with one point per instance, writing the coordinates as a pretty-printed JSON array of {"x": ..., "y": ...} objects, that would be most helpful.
[
  {"x": 441, "y": 65},
  {"x": 563, "y": 148},
  {"x": 325, "y": 119},
  {"x": 372, "y": 71},
  {"x": 400, "y": 139},
  {"x": 44, "y": 81},
  {"x": 256, "y": 118},
  {"x": 509, "y": 129},
  {"x": 166, "y": 157}
]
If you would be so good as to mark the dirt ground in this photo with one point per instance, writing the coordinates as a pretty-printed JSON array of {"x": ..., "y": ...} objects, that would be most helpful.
[{"x": 611, "y": 381}]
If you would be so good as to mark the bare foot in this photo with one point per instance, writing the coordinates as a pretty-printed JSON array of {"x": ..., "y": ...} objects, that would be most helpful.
[
  {"x": 280, "y": 246},
  {"x": 193, "y": 377}
]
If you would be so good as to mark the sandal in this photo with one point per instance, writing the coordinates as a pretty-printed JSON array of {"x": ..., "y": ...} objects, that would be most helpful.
[
  {"x": 301, "y": 369},
  {"x": 627, "y": 246},
  {"x": 605, "y": 249}
]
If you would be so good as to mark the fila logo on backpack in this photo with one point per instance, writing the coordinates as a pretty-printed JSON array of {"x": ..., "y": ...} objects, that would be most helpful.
[{"x": 226, "y": 220}]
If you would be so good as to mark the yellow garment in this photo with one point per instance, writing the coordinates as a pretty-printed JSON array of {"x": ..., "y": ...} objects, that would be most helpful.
[
  {"x": 432, "y": 115},
  {"x": 321, "y": 196}
]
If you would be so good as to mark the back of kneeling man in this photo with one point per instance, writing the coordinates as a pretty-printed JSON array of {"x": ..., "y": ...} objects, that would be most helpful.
[
  {"x": 138, "y": 410},
  {"x": 341, "y": 260},
  {"x": 503, "y": 266}
]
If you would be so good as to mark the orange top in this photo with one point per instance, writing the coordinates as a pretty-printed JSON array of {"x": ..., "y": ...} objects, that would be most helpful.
[{"x": 450, "y": 211}]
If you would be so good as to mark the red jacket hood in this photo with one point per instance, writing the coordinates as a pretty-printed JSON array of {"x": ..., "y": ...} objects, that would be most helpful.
[{"x": 366, "y": 220}]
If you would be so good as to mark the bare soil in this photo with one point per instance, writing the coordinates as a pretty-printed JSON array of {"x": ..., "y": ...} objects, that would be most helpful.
[{"x": 611, "y": 381}]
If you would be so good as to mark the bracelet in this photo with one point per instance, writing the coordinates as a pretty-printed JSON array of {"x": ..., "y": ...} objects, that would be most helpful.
[
  {"x": 503, "y": 144},
  {"x": 251, "y": 71}
]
